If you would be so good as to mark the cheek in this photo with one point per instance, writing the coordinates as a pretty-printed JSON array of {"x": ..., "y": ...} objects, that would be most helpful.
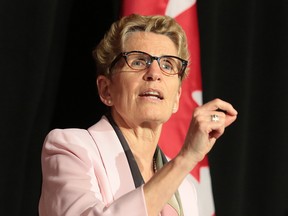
[
  {"x": 176, "y": 98},
  {"x": 122, "y": 88},
  {"x": 175, "y": 91}
]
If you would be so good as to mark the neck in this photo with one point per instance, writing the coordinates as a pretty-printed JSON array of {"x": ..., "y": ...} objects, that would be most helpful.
[{"x": 142, "y": 140}]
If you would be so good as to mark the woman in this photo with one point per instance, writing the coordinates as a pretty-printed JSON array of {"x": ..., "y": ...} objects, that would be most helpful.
[{"x": 115, "y": 167}]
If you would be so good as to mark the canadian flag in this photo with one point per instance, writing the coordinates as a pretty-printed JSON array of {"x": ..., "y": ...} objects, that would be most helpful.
[{"x": 174, "y": 131}]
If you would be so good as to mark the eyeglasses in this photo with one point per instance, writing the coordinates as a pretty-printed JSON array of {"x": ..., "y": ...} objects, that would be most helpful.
[{"x": 138, "y": 60}]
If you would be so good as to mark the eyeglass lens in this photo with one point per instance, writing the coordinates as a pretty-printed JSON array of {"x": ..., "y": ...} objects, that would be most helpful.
[{"x": 139, "y": 61}]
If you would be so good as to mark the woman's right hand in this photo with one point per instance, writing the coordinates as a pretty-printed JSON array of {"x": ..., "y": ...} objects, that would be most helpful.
[{"x": 203, "y": 131}]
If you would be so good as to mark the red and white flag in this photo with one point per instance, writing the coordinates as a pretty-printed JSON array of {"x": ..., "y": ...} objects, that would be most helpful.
[{"x": 174, "y": 131}]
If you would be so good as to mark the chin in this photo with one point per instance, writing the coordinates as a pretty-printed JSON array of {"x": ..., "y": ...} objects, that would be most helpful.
[{"x": 155, "y": 117}]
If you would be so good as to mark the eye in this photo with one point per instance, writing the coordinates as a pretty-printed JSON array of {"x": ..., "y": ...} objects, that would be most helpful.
[
  {"x": 138, "y": 61},
  {"x": 168, "y": 64}
]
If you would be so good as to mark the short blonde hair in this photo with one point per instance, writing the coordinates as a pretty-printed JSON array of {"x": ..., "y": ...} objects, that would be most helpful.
[{"x": 112, "y": 43}]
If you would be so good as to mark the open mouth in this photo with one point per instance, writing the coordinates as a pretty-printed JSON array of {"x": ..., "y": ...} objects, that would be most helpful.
[{"x": 152, "y": 94}]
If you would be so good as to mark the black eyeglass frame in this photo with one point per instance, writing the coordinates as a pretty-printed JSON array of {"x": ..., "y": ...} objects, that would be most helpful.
[{"x": 125, "y": 54}]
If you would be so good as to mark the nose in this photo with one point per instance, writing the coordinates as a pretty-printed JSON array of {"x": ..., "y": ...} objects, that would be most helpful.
[{"x": 153, "y": 72}]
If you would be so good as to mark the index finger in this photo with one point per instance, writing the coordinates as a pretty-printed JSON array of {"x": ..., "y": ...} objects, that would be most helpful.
[{"x": 221, "y": 106}]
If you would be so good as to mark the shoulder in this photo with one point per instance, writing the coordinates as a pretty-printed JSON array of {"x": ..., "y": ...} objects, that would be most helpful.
[
  {"x": 72, "y": 141},
  {"x": 71, "y": 136},
  {"x": 69, "y": 142}
]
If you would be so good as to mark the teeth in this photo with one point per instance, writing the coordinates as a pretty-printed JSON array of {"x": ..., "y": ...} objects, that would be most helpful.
[{"x": 152, "y": 93}]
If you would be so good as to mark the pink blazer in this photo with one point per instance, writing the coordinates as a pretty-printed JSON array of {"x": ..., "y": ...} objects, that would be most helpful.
[{"x": 85, "y": 172}]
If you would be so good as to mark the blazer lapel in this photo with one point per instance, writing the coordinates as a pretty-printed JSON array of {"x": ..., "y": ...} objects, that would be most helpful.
[{"x": 113, "y": 157}]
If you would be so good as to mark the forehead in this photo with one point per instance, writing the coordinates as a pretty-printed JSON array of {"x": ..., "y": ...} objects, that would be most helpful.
[{"x": 152, "y": 43}]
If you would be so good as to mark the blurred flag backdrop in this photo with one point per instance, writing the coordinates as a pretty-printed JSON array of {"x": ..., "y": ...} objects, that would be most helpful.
[{"x": 174, "y": 131}]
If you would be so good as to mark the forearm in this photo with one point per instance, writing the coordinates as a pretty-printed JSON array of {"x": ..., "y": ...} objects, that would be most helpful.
[{"x": 160, "y": 188}]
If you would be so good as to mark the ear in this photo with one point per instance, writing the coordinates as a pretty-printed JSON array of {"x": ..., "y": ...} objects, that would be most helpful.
[
  {"x": 177, "y": 100},
  {"x": 103, "y": 86}
]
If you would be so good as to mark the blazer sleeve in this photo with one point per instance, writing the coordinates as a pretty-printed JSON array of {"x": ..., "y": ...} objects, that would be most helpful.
[{"x": 74, "y": 180}]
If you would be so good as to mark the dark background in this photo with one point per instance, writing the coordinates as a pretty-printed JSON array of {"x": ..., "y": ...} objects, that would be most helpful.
[{"x": 47, "y": 80}]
